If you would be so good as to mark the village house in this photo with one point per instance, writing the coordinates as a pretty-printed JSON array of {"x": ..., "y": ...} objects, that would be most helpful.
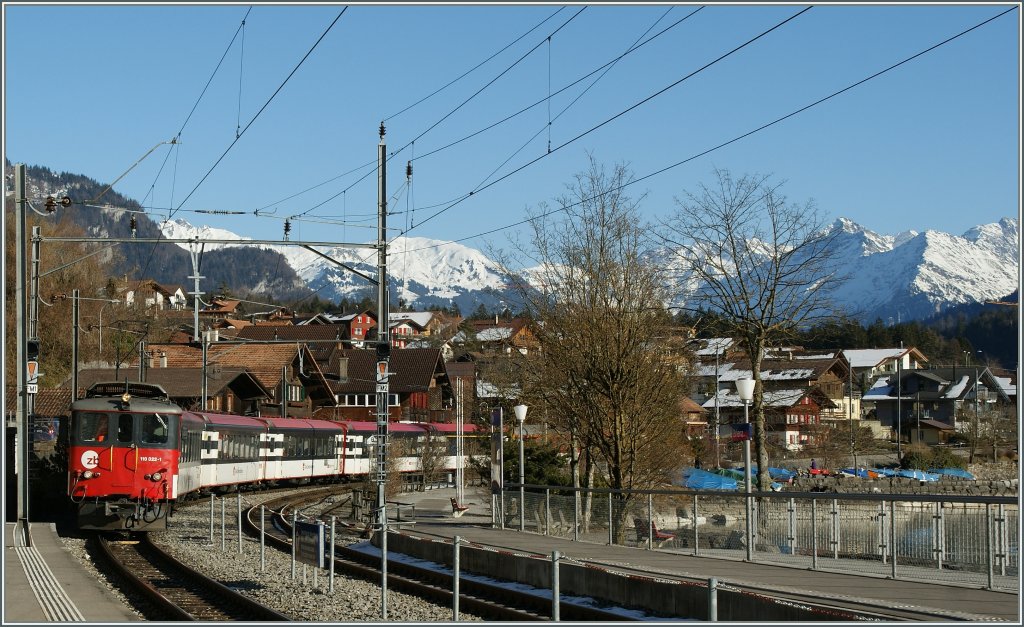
[
  {"x": 419, "y": 389},
  {"x": 148, "y": 293},
  {"x": 228, "y": 390},
  {"x": 287, "y": 371}
]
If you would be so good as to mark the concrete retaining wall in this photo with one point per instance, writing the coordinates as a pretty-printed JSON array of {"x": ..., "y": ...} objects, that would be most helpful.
[{"x": 655, "y": 596}]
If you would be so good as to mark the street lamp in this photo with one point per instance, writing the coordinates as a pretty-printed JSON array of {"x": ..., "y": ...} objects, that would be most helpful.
[
  {"x": 521, "y": 418},
  {"x": 745, "y": 389}
]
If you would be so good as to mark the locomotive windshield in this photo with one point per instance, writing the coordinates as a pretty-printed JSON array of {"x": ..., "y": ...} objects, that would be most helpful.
[
  {"x": 122, "y": 428},
  {"x": 92, "y": 428},
  {"x": 154, "y": 429}
]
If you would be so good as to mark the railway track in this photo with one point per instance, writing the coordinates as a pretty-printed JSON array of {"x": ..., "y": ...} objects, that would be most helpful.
[
  {"x": 176, "y": 591},
  {"x": 489, "y": 601}
]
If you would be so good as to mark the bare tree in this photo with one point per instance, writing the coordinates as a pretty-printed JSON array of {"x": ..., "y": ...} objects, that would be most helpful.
[
  {"x": 764, "y": 266},
  {"x": 603, "y": 371}
]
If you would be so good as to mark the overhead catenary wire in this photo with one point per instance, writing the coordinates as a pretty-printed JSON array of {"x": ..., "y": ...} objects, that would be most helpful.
[
  {"x": 621, "y": 113},
  {"x": 607, "y": 69},
  {"x": 474, "y": 68},
  {"x": 453, "y": 111},
  {"x": 725, "y": 143},
  {"x": 250, "y": 123},
  {"x": 372, "y": 163},
  {"x": 606, "y": 66}
]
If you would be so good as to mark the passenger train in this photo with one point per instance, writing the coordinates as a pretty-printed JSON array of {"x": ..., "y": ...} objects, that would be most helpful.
[{"x": 133, "y": 454}]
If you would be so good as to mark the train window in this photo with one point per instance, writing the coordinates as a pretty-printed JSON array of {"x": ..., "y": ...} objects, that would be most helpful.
[
  {"x": 124, "y": 427},
  {"x": 92, "y": 427},
  {"x": 154, "y": 429}
]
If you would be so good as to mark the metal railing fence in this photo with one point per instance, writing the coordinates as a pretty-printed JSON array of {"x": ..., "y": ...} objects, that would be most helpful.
[{"x": 968, "y": 540}]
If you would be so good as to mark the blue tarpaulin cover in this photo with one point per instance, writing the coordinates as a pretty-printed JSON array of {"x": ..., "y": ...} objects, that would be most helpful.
[
  {"x": 697, "y": 479},
  {"x": 953, "y": 472},
  {"x": 918, "y": 474}
]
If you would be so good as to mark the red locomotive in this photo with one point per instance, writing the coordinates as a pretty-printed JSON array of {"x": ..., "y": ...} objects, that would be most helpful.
[{"x": 132, "y": 453}]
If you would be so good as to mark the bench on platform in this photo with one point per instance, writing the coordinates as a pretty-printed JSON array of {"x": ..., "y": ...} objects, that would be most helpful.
[
  {"x": 644, "y": 529},
  {"x": 458, "y": 509}
]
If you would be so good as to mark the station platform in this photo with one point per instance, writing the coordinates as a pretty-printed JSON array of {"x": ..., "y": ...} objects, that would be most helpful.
[
  {"x": 945, "y": 602},
  {"x": 43, "y": 583}
]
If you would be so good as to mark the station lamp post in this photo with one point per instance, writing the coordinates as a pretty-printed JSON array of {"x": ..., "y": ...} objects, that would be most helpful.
[
  {"x": 521, "y": 418},
  {"x": 745, "y": 389}
]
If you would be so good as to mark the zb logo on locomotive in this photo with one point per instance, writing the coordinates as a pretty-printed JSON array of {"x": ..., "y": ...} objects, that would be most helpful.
[{"x": 90, "y": 459}]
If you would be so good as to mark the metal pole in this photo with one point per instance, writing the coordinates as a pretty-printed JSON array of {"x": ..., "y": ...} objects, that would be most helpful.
[
  {"x": 195, "y": 294},
  {"x": 383, "y": 353},
  {"x": 696, "y": 516},
  {"x": 75, "y": 313},
  {"x": 206, "y": 354},
  {"x": 610, "y": 536},
  {"x": 455, "y": 578},
  {"x": 899, "y": 411},
  {"x": 835, "y": 529},
  {"x": 22, "y": 413},
  {"x": 501, "y": 464},
  {"x": 792, "y": 526},
  {"x": 239, "y": 523},
  {"x": 712, "y": 599},
  {"x": 853, "y": 436},
  {"x": 1001, "y": 538},
  {"x": 522, "y": 480},
  {"x": 988, "y": 543},
  {"x": 814, "y": 534},
  {"x": 555, "y": 594},
  {"x": 746, "y": 478},
  {"x": 223, "y": 525},
  {"x": 576, "y": 516},
  {"x": 718, "y": 458},
  {"x": 263, "y": 544},
  {"x": 892, "y": 535},
  {"x": 212, "y": 497},
  {"x": 331, "y": 587},
  {"x": 650, "y": 521},
  {"x": 294, "y": 521},
  {"x": 384, "y": 563},
  {"x": 547, "y": 511}
]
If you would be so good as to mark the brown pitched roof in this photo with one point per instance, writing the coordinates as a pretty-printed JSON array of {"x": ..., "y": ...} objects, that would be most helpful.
[
  {"x": 689, "y": 406},
  {"x": 413, "y": 369},
  {"x": 177, "y": 382},
  {"x": 263, "y": 360},
  {"x": 49, "y": 402}
]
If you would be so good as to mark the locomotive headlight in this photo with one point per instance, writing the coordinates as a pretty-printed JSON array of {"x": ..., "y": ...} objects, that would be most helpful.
[
  {"x": 88, "y": 474},
  {"x": 156, "y": 476}
]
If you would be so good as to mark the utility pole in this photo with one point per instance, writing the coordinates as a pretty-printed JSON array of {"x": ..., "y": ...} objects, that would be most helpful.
[
  {"x": 22, "y": 349},
  {"x": 899, "y": 409},
  {"x": 195, "y": 294},
  {"x": 718, "y": 461},
  {"x": 74, "y": 344},
  {"x": 853, "y": 432},
  {"x": 33, "y": 320},
  {"x": 383, "y": 356}
]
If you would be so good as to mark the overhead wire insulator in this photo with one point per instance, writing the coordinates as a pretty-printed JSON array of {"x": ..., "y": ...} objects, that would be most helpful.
[
  {"x": 51, "y": 204},
  {"x": 408, "y": 169},
  {"x": 287, "y": 228},
  {"x": 133, "y": 224},
  {"x": 382, "y": 130}
]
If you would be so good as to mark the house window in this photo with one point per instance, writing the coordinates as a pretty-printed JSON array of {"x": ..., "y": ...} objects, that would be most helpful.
[{"x": 296, "y": 393}]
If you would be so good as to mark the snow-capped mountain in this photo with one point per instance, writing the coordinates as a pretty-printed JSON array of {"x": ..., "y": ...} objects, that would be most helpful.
[
  {"x": 914, "y": 275},
  {"x": 422, "y": 272},
  {"x": 902, "y": 277}
]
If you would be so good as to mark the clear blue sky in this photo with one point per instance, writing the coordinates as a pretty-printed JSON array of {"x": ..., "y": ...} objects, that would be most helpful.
[{"x": 933, "y": 144}]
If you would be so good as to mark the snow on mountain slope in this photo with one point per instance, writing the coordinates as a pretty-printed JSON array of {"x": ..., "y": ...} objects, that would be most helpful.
[{"x": 906, "y": 276}]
